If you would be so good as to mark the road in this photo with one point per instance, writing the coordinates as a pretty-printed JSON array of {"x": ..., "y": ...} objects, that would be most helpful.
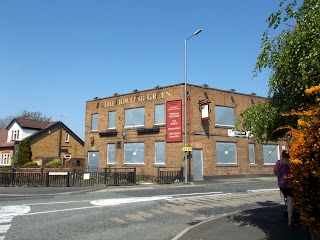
[{"x": 137, "y": 212}]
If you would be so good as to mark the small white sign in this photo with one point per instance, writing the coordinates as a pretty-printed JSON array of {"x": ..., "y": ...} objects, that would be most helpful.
[
  {"x": 58, "y": 173},
  {"x": 86, "y": 176}
]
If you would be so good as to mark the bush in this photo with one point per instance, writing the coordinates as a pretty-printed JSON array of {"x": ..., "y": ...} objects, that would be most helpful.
[
  {"x": 28, "y": 164},
  {"x": 53, "y": 163}
]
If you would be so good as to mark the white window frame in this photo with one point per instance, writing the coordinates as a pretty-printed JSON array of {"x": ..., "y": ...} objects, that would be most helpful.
[
  {"x": 94, "y": 122},
  {"x": 5, "y": 159},
  {"x": 252, "y": 155},
  {"x": 14, "y": 135},
  {"x": 159, "y": 153},
  {"x": 225, "y": 108},
  {"x": 159, "y": 113},
  {"x": 112, "y": 119},
  {"x": 140, "y": 146},
  {"x": 274, "y": 152},
  {"x": 67, "y": 139},
  {"x": 130, "y": 115},
  {"x": 227, "y": 152},
  {"x": 109, "y": 152}
]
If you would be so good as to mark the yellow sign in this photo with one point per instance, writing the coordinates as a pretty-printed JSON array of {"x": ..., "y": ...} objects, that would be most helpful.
[{"x": 187, "y": 149}]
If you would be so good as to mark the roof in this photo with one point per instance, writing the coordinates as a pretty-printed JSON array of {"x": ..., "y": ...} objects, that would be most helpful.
[
  {"x": 3, "y": 138},
  {"x": 170, "y": 86},
  {"x": 31, "y": 124}
]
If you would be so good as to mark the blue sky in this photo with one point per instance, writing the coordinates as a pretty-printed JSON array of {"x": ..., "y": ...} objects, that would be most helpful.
[{"x": 56, "y": 55}]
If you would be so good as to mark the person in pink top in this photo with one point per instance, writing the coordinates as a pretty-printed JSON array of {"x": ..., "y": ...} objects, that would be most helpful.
[{"x": 282, "y": 170}]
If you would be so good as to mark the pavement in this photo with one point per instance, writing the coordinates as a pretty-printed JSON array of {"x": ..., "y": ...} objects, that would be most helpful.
[{"x": 266, "y": 222}]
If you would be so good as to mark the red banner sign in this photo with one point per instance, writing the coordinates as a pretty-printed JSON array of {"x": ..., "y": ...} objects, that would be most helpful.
[{"x": 174, "y": 121}]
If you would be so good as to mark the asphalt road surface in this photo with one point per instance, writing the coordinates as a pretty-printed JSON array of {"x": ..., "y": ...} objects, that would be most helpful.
[{"x": 137, "y": 212}]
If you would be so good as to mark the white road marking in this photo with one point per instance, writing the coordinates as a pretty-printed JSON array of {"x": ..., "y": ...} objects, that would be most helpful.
[
  {"x": 264, "y": 190},
  {"x": 7, "y": 213},
  {"x": 118, "y": 201}
]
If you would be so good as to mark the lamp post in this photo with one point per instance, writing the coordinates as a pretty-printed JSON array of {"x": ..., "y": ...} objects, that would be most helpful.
[{"x": 185, "y": 106}]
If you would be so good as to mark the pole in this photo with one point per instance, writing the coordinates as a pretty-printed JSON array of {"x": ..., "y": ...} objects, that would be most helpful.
[
  {"x": 185, "y": 113},
  {"x": 185, "y": 107}
]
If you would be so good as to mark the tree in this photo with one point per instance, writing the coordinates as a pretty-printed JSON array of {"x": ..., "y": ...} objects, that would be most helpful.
[
  {"x": 24, "y": 154},
  {"x": 293, "y": 56},
  {"x": 305, "y": 164},
  {"x": 24, "y": 114}
]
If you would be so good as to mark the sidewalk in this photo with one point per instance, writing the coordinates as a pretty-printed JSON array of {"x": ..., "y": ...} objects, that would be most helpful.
[{"x": 266, "y": 223}]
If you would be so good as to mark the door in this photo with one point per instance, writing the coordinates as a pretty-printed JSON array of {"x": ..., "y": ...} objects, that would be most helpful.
[
  {"x": 197, "y": 165},
  {"x": 93, "y": 161}
]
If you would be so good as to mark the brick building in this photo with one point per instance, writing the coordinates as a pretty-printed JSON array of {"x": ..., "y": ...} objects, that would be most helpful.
[
  {"x": 48, "y": 141},
  {"x": 145, "y": 129}
]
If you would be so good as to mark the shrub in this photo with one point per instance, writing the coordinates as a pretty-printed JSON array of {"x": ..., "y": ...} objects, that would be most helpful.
[
  {"x": 31, "y": 164},
  {"x": 56, "y": 162}
]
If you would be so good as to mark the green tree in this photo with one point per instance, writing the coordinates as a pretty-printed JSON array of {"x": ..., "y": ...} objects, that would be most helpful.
[
  {"x": 24, "y": 154},
  {"x": 293, "y": 56}
]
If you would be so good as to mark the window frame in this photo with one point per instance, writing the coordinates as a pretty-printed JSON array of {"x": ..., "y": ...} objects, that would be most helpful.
[
  {"x": 223, "y": 125},
  {"x": 15, "y": 135},
  {"x": 128, "y": 111},
  {"x": 159, "y": 113},
  {"x": 235, "y": 153},
  {"x": 252, "y": 155},
  {"x": 94, "y": 122},
  {"x": 157, "y": 153},
  {"x": 112, "y": 116},
  {"x": 5, "y": 159},
  {"x": 109, "y": 151},
  {"x": 125, "y": 147},
  {"x": 276, "y": 158}
]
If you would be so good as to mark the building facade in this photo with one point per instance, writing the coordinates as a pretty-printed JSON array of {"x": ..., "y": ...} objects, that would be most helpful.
[
  {"x": 48, "y": 141},
  {"x": 145, "y": 129}
]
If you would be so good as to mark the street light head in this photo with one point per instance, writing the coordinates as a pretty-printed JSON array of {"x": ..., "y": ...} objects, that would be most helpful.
[{"x": 197, "y": 32}]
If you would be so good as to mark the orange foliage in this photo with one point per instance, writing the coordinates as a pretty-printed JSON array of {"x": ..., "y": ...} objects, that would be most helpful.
[{"x": 305, "y": 164}]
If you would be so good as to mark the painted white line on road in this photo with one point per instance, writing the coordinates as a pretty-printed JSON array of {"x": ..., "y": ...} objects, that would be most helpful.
[
  {"x": 209, "y": 195},
  {"x": 264, "y": 190},
  {"x": 7, "y": 213},
  {"x": 190, "y": 194},
  {"x": 4, "y": 228},
  {"x": 62, "y": 210},
  {"x": 104, "y": 203},
  {"x": 49, "y": 203},
  {"x": 118, "y": 201}
]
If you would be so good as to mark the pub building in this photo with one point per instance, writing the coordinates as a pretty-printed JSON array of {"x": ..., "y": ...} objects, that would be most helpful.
[{"x": 145, "y": 129}]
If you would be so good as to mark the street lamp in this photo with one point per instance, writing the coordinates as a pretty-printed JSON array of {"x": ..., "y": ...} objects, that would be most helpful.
[{"x": 185, "y": 106}]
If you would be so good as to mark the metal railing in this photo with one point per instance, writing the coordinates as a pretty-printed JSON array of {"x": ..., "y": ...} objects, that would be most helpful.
[
  {"x": 170, "y": 175},
  {"x": 61, "y": 178}
]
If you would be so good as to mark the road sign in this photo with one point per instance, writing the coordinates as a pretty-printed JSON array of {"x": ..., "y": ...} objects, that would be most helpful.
[{"x": 187, "y": 149}]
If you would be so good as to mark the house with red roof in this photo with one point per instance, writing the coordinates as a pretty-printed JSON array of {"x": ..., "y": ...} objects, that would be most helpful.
[{"x": 48, "y": 141}]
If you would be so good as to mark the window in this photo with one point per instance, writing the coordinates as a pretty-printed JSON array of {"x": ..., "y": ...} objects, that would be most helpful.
[
  {"x": 111, "y": 153},
  {"x": 4, "y": 160},
  {"x": 15, "y": 135},
  {"x": 134, "y": 153},
  {"x": 159, "y": 153},
  {"x": 67, "y": 137},
  {"x": 94, "y": 122},
  {"x": 252, "y": 159},
  {"x": 270, "y": 153},
  {"x": 224, "y": 116},
  {"x": 134, "y": 117},
  {"x": 159, "y": 114},
  {"x": 226, "y": 153},
  {"x": 112, "y": 120}
]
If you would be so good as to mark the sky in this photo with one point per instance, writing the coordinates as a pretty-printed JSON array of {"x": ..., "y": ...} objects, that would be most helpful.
[{"x": 57, "y": 55}]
